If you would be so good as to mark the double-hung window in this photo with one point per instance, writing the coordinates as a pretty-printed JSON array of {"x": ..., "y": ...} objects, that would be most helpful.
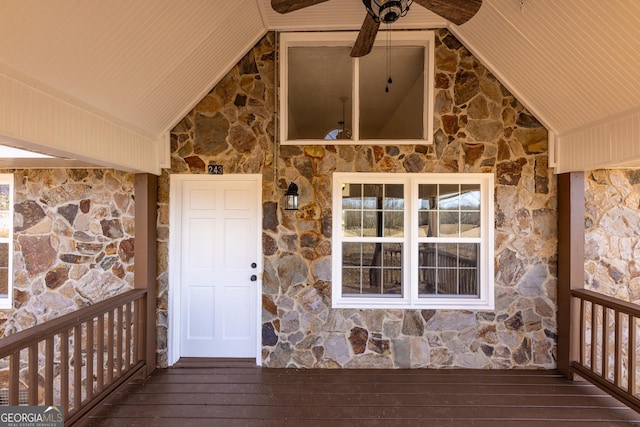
[{"x": 413, "y": 240}]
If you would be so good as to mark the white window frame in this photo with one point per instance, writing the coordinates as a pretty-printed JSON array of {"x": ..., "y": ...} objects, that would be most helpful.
[
  {"x": 410, "y": 298},
  {"x": 407, "y": 38},
  {"x": 7, "y": 304}
]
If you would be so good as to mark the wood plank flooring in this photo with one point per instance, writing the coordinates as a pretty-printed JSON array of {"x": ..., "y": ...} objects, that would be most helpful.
[{"x": 205, "y": 392}]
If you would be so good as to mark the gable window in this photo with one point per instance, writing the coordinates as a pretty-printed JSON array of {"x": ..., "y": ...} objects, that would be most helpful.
[
  {"x": 326, "y": 95},
  {"x": 6, "y": 241},
  {"x": 413, "y": 240}
]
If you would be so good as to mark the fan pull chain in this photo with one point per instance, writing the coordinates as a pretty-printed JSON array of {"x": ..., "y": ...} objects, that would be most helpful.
[{"x": 389, "y": 80}]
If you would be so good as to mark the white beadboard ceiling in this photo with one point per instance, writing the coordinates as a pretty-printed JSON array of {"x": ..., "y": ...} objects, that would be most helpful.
[{"x": 125, "y": 72}]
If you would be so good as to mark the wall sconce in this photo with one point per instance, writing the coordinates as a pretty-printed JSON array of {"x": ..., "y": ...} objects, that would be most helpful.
[{"x": 291, "y": 198}]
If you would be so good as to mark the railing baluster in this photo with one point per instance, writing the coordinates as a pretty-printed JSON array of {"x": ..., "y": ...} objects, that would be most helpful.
[
  {"x": 77, "y": 366},
  {"x": 48, "y": 372},
  {"x": 631, "y": 365},
  {"x": 110, "y": 346},
  {"x": 64, "y": 371},
  {"x": 100, "y": 356},
  {"x": 594, "y": 338},
  {"x": 617, "y": 364},
  {"x": 89, "y": 378},
  {"x": 605, "y": 342},
  {"x": 583, "y": 327},
  {"x": 14, "y": 379},
  {"x": 119, "y": 342},
  {"x": 136, "y": 331},
  {"x": 127, "y": 338},
  {"x": 33, "y": 374}
]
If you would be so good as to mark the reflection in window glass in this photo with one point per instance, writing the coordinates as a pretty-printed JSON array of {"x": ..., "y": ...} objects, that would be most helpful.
[
  {"x": 6, "y": 237},
  {"x": 449, "y": 210},
  {"x": 449, "y": 269},
  {"x": 399, "y": 112},
  {"x": 372, "y": 269},
  {"x": 319, "y": 93},
  {"x": 373, "y": 210}
]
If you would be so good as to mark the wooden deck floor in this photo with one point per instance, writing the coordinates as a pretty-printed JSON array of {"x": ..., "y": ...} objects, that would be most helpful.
[{"x": 234, "y": 393}]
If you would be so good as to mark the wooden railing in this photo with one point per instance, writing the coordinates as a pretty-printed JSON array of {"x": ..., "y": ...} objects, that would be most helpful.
[
  {"x": 78, "y": 359},
  {"x": 608, "y": 339}
]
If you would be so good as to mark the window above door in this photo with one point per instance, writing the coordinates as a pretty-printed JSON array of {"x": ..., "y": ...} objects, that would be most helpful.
[{"x": 328, "y": 97}]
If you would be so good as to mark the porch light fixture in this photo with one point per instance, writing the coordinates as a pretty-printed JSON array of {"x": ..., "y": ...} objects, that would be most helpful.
[
  {"x": 387, "y": 11},
  {"x": 291, "y": 198}
]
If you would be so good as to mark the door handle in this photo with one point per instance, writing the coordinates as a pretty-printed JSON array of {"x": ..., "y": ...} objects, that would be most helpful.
[
  {"x": 254, "y": 277},
  {"x": 254, "y": 265}
]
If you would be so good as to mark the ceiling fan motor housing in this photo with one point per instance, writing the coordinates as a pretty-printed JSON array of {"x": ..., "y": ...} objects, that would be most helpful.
[{"x": 387, "y": 11}]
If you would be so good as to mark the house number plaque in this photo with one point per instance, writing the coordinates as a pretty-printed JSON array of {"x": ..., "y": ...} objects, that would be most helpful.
[{"x": 215, "y": 169}]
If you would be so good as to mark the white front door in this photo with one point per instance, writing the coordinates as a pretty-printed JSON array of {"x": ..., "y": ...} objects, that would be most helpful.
[{"x": 218, "y": 237}]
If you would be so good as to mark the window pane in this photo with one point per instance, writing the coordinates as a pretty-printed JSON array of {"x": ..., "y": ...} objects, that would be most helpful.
[
  {"x": 372, "y": 268},
  {"x": 449, "y": 197},
  {"x": 399, "y": 112},
  {"x": 373, "y": 196},
  {"x": 449, "y": 224},
  {"x": 319, "y": 93},
  {"x": 372, "y": 220},
  {"x": 5, "y": 223},
  {"x": 4, "y": 197},
  {"x": 393, "y": 196},
  {"x": 352, "y": 223},
  {"x": 448, "y": 269},
  {"x": 4, "y": 270},
  {"x": 470, "y": 224},
  {"x": 470, "y": 197},
  {"x": 393, "y": 224}
]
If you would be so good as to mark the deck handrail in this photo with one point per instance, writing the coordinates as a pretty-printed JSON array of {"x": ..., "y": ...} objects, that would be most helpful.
[
  {"x": 105, "y": 340},
  {"x": 594, "y": 365}
]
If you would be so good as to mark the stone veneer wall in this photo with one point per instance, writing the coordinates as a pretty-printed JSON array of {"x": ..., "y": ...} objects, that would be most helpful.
[
  {"x": 73, "y": 242},
  {"x": 479, "y": 127},
  {"x": 612, "y": 233}
]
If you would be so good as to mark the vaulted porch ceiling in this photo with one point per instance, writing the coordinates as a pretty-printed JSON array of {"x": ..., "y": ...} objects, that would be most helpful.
[{"x": 104, "y": 81}]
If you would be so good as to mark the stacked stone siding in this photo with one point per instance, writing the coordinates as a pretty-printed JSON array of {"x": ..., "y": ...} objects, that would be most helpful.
[
  {"x": 612, "y": 227},
  {"x": 479, "y": 127},
  {"x": 73, "y": 242}
]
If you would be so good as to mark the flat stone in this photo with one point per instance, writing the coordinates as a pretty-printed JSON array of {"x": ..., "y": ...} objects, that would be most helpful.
[
  {"x": 270, "y": 216},
  {"x": 291, "y": 270},
  {"x": 337, "y": 348},
  {"x": 412, "y": 324},
  {"x": 466, "y": 86},
  {"x": 57, "y": 276},
  {"x": 269, "y": 337},
  {"x": 111, "y": 228},
  {"x": 451, "y": 320},
  {"x": 269, "y": 245},
  {"x": 369, "y": 361},
  {"x": 414, "y": 163},
  {"x": 514, "y": 322},
  {"x": 195, "y": 163},
  {"x": 31, "y": 213},
  {"x": 242, "y": 139},
  {"x": 126, "y": 250},
  {"x": 379, "y": 345},
  {"x": 522, "y": 355},
  {"x": 358, "y": 340},
  {"x": 37, "y": 252},
  {"x": 211, "y": 134},
  {"x": 68, "y": 212}
]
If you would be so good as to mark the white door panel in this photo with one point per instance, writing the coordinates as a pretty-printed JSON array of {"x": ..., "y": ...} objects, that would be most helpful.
[{"x": 219, "y": 243}]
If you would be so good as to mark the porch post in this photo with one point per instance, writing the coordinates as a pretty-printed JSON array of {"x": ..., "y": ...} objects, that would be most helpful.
[
  {"x": 570, "y": 264},
  {"x": 146, "y": 204}
]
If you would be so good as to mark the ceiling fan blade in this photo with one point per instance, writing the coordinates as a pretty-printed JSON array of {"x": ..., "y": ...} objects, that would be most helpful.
[
  {"x": 366, "y": 37},
  {"x": 456, "y": 11},
  {"x": 286, "y": 6}
]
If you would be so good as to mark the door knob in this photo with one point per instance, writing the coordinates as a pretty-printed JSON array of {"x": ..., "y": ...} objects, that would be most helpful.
[
  {"x": 254, "y": 277},
  {"x": 254, "y": 265}
]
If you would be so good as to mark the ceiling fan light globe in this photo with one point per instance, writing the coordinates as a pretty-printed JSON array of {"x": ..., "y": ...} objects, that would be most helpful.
[{"x": 387, "y": 11}]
